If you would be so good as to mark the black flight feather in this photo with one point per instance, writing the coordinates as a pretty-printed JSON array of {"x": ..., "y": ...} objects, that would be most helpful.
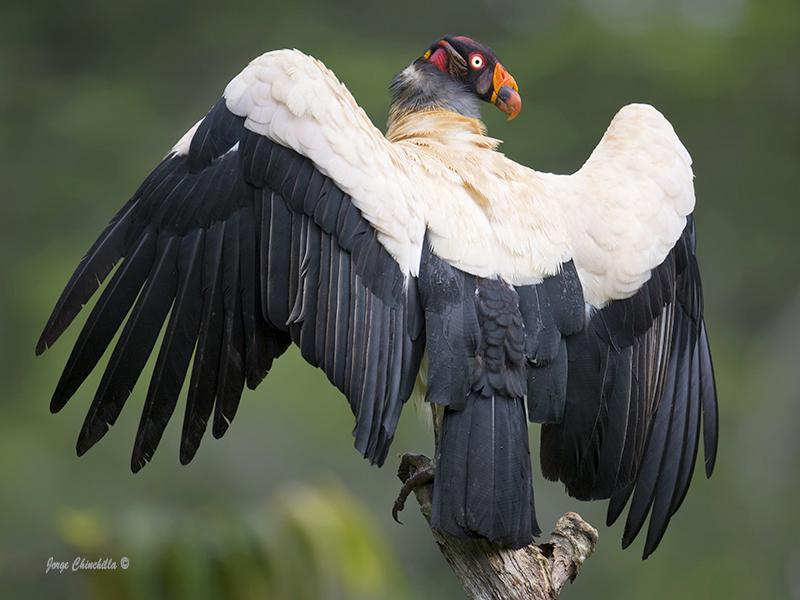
[
  {"x": 203, "y": 381},
  {"x": 675, "y": 443},
  {"x": 275, "y": 257},
  {"x": 309, "y": 274},
  {"x": 655, "y": 450},
  {"x": 692, "y": 437},
  {"x": 105, "y": 318},
  {"x": 342, "y": 319},
  {"x": 176, "y": 351},
  {"x": 134, "y": 346},
  {"x": 90, "y": 273},
  {"x": 231, "y": 376},
  {"x": 255, "y": 329},
  {"x": 708, "y": 395},
  {"x": 327, "y": 306}
]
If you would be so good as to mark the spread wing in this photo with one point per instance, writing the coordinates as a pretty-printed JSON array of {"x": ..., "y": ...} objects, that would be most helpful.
[
  {"x": 276, "y": 219},
  {"x": 638, "y": 386}
]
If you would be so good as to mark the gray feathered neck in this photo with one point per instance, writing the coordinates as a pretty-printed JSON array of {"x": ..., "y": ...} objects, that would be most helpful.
[{"x": 422, "y": 86}]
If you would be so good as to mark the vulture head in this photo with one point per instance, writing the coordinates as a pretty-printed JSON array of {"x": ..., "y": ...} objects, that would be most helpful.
[{"x": 456, "y": 73}]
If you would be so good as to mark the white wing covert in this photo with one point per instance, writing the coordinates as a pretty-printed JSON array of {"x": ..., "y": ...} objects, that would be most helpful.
[{"x": 627, "y": 205}]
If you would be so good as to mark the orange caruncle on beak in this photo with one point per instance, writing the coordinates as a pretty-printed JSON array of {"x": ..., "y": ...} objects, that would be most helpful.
[{"x": 505, "y": 93}]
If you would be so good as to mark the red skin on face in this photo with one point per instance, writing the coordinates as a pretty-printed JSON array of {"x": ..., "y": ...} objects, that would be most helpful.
[{"x": 439, "y": 59}]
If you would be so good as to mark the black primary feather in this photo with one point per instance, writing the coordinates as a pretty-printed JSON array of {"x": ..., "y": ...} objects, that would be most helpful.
[
  {"x": 203, "y": 381},
  {"x": 90, "y": 273},
  {"x": 134, "y": 346},
  {"x": 256, "y": 330},
  {"x": 231, "y": 374},
  {"x": 176, "y": 351},
  {"x": 105, "y": 318},
  {"x": 119, "y": 239}
]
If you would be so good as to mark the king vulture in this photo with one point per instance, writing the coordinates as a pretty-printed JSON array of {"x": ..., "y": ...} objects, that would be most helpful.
[{"x": 284, "y": 216}]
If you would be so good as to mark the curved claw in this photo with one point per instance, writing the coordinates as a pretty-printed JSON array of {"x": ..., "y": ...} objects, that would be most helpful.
[
  {"x": 398, "y": 507},
  {"x": 421, "y": 477}
]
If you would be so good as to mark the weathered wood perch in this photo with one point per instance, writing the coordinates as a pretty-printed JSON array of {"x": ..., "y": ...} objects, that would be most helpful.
[{"x": 488, "y": 572}]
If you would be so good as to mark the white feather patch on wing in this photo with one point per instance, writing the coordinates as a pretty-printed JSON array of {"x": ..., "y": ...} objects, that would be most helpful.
[{"x": 626, "y": 207}]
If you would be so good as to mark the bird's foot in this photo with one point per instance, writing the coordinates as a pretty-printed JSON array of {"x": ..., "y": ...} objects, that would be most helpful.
[{"x": 415, "y": 471}]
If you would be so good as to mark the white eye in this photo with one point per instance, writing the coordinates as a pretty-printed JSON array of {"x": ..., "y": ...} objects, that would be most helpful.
[{"x": 476, "y": 60}]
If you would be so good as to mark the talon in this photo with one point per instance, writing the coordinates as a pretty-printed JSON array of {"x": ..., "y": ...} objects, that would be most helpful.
[
  {"x": 398, "y": 506},
  {"x": 415, "y": 470}
]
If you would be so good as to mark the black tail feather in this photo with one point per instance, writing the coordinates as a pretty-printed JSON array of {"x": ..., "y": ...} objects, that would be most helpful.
[{"x": 483, "y": 485}]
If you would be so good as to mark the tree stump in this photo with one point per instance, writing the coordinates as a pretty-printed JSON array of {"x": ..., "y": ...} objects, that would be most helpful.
[{"x": 488, "y": 572}]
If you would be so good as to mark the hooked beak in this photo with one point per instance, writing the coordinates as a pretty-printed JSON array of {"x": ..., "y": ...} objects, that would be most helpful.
[{"x": 505, "y": 94}]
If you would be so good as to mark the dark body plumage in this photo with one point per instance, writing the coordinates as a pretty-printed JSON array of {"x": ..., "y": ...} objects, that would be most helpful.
[
  {"x": 479, "y": 348},
  {"x": 483, "y": 485}
]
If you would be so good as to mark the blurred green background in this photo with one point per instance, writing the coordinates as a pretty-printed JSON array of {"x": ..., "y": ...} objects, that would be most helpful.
[{"x": 93, "y": 93}]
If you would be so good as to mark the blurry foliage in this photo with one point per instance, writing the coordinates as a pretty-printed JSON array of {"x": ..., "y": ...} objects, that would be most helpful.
[
  {"x": 307, "y": 542},
  {"x": 94, "y": 92}
]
